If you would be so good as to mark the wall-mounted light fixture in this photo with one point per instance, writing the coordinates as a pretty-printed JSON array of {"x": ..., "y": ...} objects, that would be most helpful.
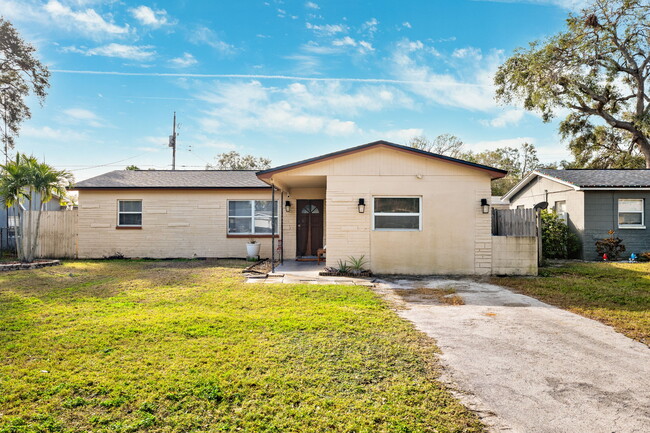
[
  {"x": 287, "y": 206},
  {"x": 362, "y": 205},
  {"x": 485, "y": 206}
]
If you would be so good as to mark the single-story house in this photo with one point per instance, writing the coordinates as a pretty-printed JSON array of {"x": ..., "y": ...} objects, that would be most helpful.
[
  {"x": 592, "y": 202},
  {"x": 403, "y": 209}
]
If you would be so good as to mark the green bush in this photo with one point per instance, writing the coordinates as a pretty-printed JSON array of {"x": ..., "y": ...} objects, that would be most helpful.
[{"x": 557, "y": 241}]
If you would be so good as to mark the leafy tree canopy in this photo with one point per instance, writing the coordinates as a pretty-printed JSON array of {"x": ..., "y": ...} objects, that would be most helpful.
[
  {"x": 517, "y": 161},
  {"x": 234, "y": 161},
  {"x": 598, "y": 70},
  {"x": 132, "y": 168},
  {"x": 20, "y": 74}
]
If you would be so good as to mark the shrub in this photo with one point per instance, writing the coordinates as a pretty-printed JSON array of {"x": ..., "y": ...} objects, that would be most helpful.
[
  {"x": 644, "y": 257},
  {"x": 611, "y": 246},
  {"x": 557, "y": 241},
  {"x": 356, "y": 265}
]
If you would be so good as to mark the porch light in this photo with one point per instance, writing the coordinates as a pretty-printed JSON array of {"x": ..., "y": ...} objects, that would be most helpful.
[
  {"x": 362, "y": 205},
  {"x": 485, "y": 207},
  {"x": 287, "y": 206}
]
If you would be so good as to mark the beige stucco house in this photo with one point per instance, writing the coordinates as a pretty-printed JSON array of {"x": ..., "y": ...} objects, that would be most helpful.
[{"x": 407, "y": 211}]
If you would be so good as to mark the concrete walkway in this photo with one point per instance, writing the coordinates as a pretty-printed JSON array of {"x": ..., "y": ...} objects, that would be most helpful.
[
  {"x": 294, "y": 272},
  {"x": 528, "y": 367}
]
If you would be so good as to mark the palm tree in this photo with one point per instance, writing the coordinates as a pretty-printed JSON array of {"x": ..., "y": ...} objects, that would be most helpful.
[{"x": 25, "y": 179}]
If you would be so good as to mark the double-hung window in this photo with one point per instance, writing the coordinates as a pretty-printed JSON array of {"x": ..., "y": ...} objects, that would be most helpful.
[
  {"x": 397, "y": 213},
  {"x": 251, "y": 217},
  {"x": 129, "y": 213},
  {"x": 630, "y": 213}
]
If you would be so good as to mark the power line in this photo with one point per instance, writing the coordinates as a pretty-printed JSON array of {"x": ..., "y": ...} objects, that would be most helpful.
[{"x": 109, "y": 163}]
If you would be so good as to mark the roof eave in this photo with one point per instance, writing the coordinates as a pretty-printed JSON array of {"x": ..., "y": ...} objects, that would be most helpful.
[{"x": 267, "y": 174}]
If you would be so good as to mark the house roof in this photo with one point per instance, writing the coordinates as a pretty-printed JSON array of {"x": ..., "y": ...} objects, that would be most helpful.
[
  {"x": 496, "y": 173},
  {"x": 584, "y": 179},
  {"x": 174, "y": 179}
]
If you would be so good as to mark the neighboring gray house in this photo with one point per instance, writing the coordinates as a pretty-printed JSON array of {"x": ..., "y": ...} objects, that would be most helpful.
[
  {"x": 592, "y": 202},
  {"x": 8, "y": 220}
]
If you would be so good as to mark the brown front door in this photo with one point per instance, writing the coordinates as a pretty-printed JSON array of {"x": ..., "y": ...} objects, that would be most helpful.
[{"x": 310, "y": 227}]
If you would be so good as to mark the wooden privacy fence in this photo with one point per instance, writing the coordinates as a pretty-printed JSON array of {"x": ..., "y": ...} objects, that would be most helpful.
[
  {"x": 57, "y": 235},
  {"x": 514, "y": 222}
]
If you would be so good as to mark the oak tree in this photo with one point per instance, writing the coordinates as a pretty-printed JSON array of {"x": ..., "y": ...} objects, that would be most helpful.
[
  {"x": 21, "y": 73},
  {"x": 597, "y": 69}
]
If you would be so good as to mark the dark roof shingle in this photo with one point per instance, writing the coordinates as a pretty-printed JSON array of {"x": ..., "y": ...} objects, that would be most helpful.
[
  {"x": 588, "y": 178},
  {"x": 174, "y": 179}
]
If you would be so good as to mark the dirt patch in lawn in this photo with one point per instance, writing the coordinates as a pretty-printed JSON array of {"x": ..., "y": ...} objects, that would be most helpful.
[{"x": 429, "y": 295}]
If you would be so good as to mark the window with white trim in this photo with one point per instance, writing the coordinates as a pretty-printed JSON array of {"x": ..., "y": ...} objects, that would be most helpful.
[
  {"x": 397, "y": 213},
  {"x": 129, "y": 213},
  {"x": 630, "y": 213},
  {"x": 251, "y": 217}
]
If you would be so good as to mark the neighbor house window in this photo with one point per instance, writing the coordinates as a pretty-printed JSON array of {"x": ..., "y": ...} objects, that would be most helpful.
[
  {"x": 630, "y": 213},
  {"x": 251, "y": 217},
  {"x": 397, "y": 213},
  {"x": 560, "y": 207},
  {"x": 129, "y": 213}
]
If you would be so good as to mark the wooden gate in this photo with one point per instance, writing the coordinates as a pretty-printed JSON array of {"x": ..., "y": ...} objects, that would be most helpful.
[
  {"x": 57, "y": 235},
  {"x": 514, "y": 222}
]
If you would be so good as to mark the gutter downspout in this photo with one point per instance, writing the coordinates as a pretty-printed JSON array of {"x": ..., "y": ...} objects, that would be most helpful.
[{"x": 272, "y": 228}]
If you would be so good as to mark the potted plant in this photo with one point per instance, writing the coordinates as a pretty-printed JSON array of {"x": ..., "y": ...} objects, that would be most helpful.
[{"x": 253, "y": 249}]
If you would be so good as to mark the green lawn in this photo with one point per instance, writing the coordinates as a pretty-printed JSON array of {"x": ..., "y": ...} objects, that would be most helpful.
[
  {"x": 185, "y": 346},
  {"x": 617, "y": 294}
]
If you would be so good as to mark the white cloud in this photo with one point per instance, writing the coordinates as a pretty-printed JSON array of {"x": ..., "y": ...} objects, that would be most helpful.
[
  {"x": 399, "y": 136},
  {"x": 311, "y": 5},
  {"x": 87, "y": 20},
  {"x": 48, "y": 133},
  {"x": 205, "y": 36},
  {"x": 327, "y": 29},
  {"x": 468, "y": 52},
  {"x": 131, "y": 52},
  {"x": 84, "y": 116},
  {"x": 347, "y": 40},
  {"x": 406, "y": 24},
  {"x": 468, "y": 84},
  {"x": 149, "y": 17},
  {"x": 80, "y": 114},
  {"x": 574, "y": 5},
  {"x": 480, "y": 146},
  {"x": 312, "y": 108},
  {"x": 363, "y": 47},
  {"x": 506, "y": 118},
  {"x": 370, "y": 26},
  {"x": 185, "y": 61}
]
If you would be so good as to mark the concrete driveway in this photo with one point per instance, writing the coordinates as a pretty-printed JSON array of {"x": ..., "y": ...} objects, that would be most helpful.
[{"x": 525, "y": 366}]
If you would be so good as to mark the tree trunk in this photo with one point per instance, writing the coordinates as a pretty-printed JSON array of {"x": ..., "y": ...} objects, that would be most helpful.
[
  {"x": 34, "y": 245},
  {"x": 18, "y": 235},
  {"x": 27, "y": 231},
  {"x": 644, "y": 146}
]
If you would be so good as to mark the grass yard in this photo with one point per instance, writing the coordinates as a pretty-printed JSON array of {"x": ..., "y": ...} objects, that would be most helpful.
[
  {"x": 617, "y": 294},
  {"x": 185, "y": 346}
]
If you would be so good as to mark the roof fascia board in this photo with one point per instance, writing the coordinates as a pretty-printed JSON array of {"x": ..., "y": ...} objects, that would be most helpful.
[{"x": 267, "y": 174}]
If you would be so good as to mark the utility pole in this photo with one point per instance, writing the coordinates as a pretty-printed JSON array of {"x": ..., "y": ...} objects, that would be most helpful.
[{"x": 172, "y": 143}]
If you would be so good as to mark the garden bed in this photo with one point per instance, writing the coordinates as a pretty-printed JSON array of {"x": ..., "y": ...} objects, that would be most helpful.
[
  {"x": 345, "y": 274},
  {"x": 16, "y": 266}
]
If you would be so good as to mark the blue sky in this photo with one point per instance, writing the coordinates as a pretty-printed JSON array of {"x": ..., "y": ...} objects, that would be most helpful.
[{"x": 283, "y": 79}]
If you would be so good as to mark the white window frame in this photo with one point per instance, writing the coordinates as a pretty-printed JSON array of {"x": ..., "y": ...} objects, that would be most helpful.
[
  {"x": 642, "y": 212},
  {"x": 129, "y": 213},
  {"x": 252, "y": 218},
  {"x": 419, "y": 229}
]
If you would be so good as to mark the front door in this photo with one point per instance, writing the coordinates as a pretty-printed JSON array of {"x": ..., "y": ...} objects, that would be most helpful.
[{"x": 310, "y": 227}]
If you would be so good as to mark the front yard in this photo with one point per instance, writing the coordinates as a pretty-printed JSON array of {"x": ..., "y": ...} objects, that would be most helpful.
[
  {"x": 173, "y": 346},
  {"x": 614, "y": 293}
]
